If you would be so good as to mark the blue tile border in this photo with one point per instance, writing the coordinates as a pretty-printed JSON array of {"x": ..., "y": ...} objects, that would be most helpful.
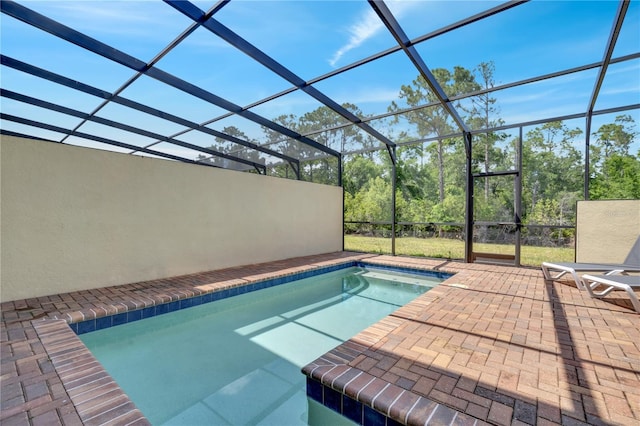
[
  {"x": 74, "y": 327},
  {"x": 86, "y": 326},
  {"x": 346, "y": 406},
  {"x": 148, "y": 312},
  {"x": 374, "y": 418},
  {"x": 332, "y": 399},
  {"x": 100, "y": 323},
  {"x": 314, "y": 389},
  {"x": 119, "y": 319},
  {"x": 103, "y": 322},
  {"x": 351, "y": 409},
  {"x": 410, "y": 270}
]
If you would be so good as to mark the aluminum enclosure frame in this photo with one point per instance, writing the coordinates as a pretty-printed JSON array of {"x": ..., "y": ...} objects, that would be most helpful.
[{"x": 206, "y": 20}]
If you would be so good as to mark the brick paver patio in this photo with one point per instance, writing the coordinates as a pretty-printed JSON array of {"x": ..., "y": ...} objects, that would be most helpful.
[{"x": 491, "y": 344}]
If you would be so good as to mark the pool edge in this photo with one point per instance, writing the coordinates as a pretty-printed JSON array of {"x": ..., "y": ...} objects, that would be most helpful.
[
  {"x": 98, "y": 320},
  {"x": 367, "y": 399},
  {"x": 97, "y": 397},
  {"x": 64, "y": 330}
]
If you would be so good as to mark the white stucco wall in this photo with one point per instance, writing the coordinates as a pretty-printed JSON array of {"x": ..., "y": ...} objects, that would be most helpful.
[
  {"x": 606, "y": 230},
  {"x": 77, "y": 218}
]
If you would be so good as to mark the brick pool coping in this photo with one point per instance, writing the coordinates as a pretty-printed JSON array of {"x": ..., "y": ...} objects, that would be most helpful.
[
  {"x": 492, "y": 344},
  {"x": 49, "y": 377}
]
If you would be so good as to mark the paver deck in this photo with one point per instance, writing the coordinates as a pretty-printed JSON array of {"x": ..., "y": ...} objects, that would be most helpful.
[{"x": 491, "y": 344}]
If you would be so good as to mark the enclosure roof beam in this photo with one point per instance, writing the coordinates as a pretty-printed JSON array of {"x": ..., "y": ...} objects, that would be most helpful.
[
  {"x": 225, "y": 33},
  {"x": 485, "y": 91},
  {"x": 398, "y": 33},
  {"x": 90, "y": 90},
  {"x": 95, "y": 138},
  {"x": 502, "y": 87},
  {"x": 505, "y": 127},
  {"x": 104, "y": 121},
  {"x": 153, "y": 61},
  {"x": 459, "y": 24},
  {"x": 611, "y": 44},
  {"x": 558, "y": 118},
  {"x": 25, "y": 136},
  {"x": 57, "y": 29}
]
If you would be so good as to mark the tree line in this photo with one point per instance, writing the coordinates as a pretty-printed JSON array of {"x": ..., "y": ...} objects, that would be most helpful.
[{"x": 430, "y": 175}]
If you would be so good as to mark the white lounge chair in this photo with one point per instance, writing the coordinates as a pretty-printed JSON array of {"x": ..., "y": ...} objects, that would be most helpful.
[
  {"x": 613, "y": 281},
  {"x": 631, "y": 264}
]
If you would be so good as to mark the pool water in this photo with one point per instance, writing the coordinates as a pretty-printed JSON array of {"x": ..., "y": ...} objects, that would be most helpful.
[{"x": 237, "y": 361}]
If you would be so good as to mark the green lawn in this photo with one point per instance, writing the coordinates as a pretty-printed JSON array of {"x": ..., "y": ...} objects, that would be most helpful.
[{"x": 453, "y": 249}]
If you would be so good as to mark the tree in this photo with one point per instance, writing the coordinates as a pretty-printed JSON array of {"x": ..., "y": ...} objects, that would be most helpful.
[
  {"x": 553, "y": 212},
  {"x": 373, "y": 203},
  {"x": 340, "y": 139},
  {"x": 316, "y": 165},
  {"x": 484, "y": 115},
  {"x": 616, "y": 137},
  {"x": 281, "y": 143},
  {"x": 358, "y": 172},
  {"x": 227, "y": 147},
  {"x": 435, "y": 120},
  {"x": 552, "y": 164},
  {"x": 618, "y": 178}
]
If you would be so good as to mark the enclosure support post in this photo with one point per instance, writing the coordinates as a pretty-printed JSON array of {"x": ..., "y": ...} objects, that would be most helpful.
[
  {"x": 339, "y": 158},
  {"x": 392, "y": 154},
  {"x": 468, "y": 222},
  {"x": 295, "y": 166},
  {"x": 518, "y": 199},
  {"x": 340, "y": 184},
  {"x": 587, "y": 158},
  {"x": 611, "y": 44}
]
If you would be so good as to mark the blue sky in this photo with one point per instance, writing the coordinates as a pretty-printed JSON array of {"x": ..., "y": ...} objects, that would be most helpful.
[{"x": 313, "y": 38}]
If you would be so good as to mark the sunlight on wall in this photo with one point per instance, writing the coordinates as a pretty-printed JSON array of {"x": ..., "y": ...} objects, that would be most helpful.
[{"x": 77, "y": 218}]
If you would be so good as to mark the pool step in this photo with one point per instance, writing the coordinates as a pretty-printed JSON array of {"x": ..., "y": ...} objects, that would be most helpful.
[{"x": 402, "y": 278}]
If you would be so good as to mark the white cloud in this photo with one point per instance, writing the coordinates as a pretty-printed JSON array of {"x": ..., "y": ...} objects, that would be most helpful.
[
  {"x": 631, "y": 67},
  {"x": 372, "y": 95},
  {"x": 365, "y": 27},
  {"x": 631, "y": 88},
  {"x": 114, "y": 17},
  {"x": 526, "y": 97},
  {"x": 368, "y": 24},
  {"x": 123, "y": 11}
]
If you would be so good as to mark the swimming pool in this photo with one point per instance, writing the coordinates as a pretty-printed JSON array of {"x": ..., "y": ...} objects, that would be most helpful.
[{"x": 238, "y": 360}]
